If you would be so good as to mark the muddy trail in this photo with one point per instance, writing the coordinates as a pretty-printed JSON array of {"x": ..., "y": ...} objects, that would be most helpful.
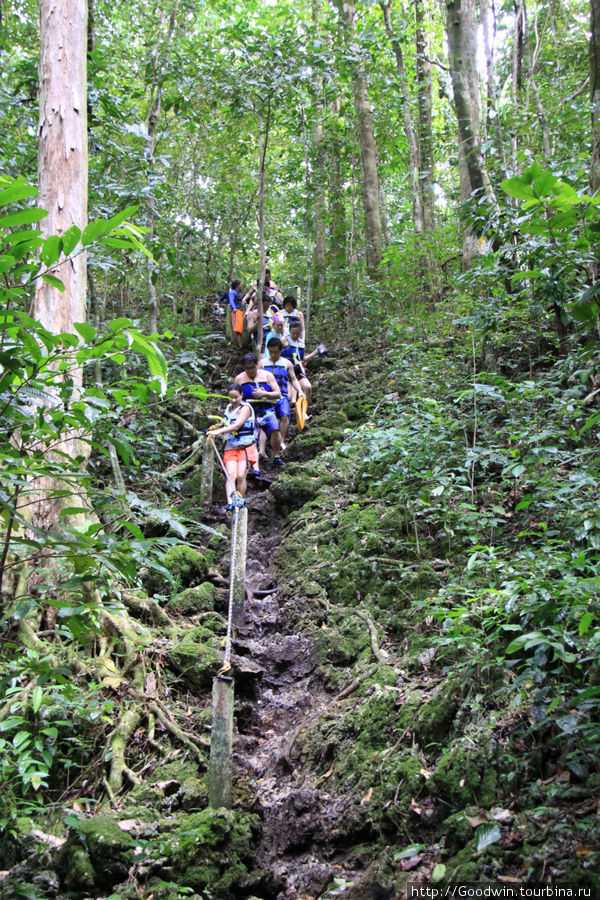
[{"x": 279, "y": 691}]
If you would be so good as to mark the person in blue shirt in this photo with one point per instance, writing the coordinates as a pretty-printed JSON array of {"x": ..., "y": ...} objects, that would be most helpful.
[
  {"x": 282, "y": 371},
  {"x": 234, "y": 299}
]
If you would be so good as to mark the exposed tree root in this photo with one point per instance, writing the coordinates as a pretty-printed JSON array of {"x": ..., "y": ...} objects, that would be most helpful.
[
  {"x": 191, "y": 741},
  {"x": 146, "y": 607},
  {"x": 374, "y": 637},
  {"x": 117, "y": 745}
]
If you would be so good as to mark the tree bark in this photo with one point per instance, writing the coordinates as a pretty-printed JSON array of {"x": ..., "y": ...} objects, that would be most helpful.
[
  {"x": 517, "y": 70},
  {"x": 152, "y": 118},
  {"x": 595, "y": 91},
  {"x": 492, "y": 117},
  {"x": 337, "y": 210},
  {"x": 319, "y": 260},
  {"x": 463, "y": 72},
  {"x": 63, "y": 188},
  {"x": 426, "y": 163},
  {"x": 367, "y": 146},
  {"x": 414, "y": 157},
  {"x": 264, "y": 123},
  {"x": 532, "y": 83}
]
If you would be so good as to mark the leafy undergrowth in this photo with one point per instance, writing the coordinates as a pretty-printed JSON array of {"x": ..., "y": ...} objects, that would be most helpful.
[
  {"x": 454, "y": 539},
  {"x": 441, "y": 556}
]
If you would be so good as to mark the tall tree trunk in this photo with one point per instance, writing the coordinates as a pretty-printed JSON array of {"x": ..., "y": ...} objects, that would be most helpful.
[
  {"x": 492, "y": 117},
  {"x": 319, "y": 261},
  {"x": 152, "y": 118},
  {"x": 532, "y": 84},
  {"x": 423, "y": 73},
  {"x": 595, "y": 92},
  {"x": 264, "y": 123},
  {"x": 462, "y": 47},
  {"x": 367, "y": 146},
  {"x": 63, "y": 186},
  {"x": 414, "y": 157},
  {"x": 517, "y": 71},
  {"x": 337, "y": 210}
]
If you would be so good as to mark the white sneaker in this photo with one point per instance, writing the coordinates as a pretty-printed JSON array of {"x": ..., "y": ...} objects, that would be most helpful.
[{"x": 283, "y": 446}]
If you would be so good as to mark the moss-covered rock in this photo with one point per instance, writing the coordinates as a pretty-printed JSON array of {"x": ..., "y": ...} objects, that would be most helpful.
[
  {"x": 97, "y": 852},
  {"x": 466, "y": 771},
  {"x": 187, "y": 565},
  {"x": 195, "y": 600},
  {"x": 197, "y": 656},
  {"x": 435, "y": 717},
  {"x": 295, "y": 486},
  {"x": 211, "y": 850},
  {"x": 173, "y": 786}
]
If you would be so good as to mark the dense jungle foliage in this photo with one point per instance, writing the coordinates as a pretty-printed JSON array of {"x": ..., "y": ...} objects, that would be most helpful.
[{"x": 420, "y": 702}]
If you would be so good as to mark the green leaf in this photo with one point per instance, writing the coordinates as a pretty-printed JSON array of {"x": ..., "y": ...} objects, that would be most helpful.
[
  {"x": 15, "y": 192},
  {"x": 87, "y": 331},
  {"x": 486, "y": 835},
  {"x": 585, "y": 622},
  {"x": 23, "y": 217},
  {"x": 53, "y": 281},
  {"x": 119, "y": 217},
  {"x": 50, "y": 250},
  {"x": 36, "y": 698},
  {"x": 70, "y": 239},
  {"x": 439, "y": 871},
  {"x": 92, "y": 231},
  {"x": 518, "y": 187},
  {"x": 411, "y": 850}
]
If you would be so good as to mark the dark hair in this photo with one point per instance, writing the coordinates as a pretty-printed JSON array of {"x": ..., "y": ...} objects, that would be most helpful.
[
  {"x": 235, "y": 284},
  {"x": 267, "y": 271},
  {"x": 275, "y": 342},
  {"x": 249, "y": 359},
  {"x": 290, "y": 299},
  {"x": 235, "y": 387},
  {"x": 293, "y": 323}
]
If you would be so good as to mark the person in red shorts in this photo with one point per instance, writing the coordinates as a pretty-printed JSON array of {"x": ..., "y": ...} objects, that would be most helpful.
[{"x": 240, "y": 448}]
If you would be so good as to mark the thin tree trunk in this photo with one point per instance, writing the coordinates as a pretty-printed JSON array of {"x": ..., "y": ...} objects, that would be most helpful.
[
  {"x": 426, "y": 165},
  {"x": 414, "y": 160},
  {"x": 319, "y": 265},
  {"x": 263, "y": 129},
  {"x": 337, "y": 211},
  {"x": 534, "y": 86},
  {"x": 493, "y": 121},
  {"x": 462, "y": 46},
  {"x": 154, "y": 108},
  {"x": 63, "y": 187},
  {"x": 517, "y": 71},
  {"x": 595, "y": 92},
  {"x": 368, "y": 148}
]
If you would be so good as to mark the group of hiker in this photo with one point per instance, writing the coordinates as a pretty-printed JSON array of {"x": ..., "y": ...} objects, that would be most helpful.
[{"x": 273, "y": 381}]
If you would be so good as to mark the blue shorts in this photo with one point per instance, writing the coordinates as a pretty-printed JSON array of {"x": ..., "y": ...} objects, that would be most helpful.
[
  {"x": 268, "y": 422},
  {"x": 282, "y": 407}
]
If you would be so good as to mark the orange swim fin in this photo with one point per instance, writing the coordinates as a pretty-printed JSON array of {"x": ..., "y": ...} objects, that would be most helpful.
[{"x": 301, "y": 407}]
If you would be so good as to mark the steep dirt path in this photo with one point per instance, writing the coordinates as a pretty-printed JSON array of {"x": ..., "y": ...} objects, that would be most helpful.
[{"x": 297, "y": 851}]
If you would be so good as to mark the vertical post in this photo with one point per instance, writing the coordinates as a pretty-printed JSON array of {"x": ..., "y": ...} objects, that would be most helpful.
[
  {"x": 221, "y": 744},
  {"x": 206, "y": 486},
  {"x": 238, "y": 561}
]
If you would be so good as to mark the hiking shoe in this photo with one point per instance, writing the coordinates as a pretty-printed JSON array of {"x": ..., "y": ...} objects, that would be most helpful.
[
  {"x": 278, "y": 461},
  {"x": 254, "y": 473}
]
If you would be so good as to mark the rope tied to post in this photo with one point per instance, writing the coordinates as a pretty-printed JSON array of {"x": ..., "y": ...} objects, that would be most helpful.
[{"x": 237, "y": 502}]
